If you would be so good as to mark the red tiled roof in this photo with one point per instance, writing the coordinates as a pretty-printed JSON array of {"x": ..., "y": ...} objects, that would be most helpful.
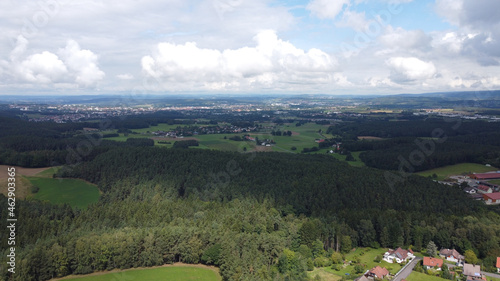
[
  {"x": 450, "y": 252},
  {"x": 486, "y": 176},
  {"x": 484, "y": 188},
  {"x": 498, "y": 262},
  {"x": 432, "y": 262},
  {"x": 492, "y": 196},
  {"x": 380, "y": 272}
]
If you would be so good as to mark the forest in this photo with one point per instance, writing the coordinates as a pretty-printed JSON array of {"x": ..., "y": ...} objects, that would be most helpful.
[{"x": 257, "y": 216}]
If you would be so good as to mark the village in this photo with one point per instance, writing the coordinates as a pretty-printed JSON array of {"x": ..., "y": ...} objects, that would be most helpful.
[
  {"x": 479, "y": 186},
  {"x": 447, "y": 263}
]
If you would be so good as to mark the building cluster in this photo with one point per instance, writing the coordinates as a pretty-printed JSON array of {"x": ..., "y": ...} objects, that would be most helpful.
[
  {"x": 481, "y": 188},
  {"x": 453, "y": 257},
  {"x": 205, "y": 130}
]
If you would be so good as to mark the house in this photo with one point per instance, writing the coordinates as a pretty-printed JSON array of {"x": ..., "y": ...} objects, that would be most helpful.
[
  {"x": 363, "y": 278},
  {"x": 498, "y": 264},
  {"x": 473, "y": 272},
  {"x": 469, "y": 190},
  {"x": 492, "y": 198},
  {"x": 451, "y": 255},
  {"x": 486, "y": 176},
  {"x": 484, "y": 189},
  {"x": 432, "y": 263},
  {"x": 377, "y": 272},
  {"x": 399, "y": 255}
]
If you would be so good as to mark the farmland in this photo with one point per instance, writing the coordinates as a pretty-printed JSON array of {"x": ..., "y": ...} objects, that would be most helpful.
[
  {"x": 77, "y": 193},
  {"x": 173, "y": 273},
  {"x": 458, "y": 169}
]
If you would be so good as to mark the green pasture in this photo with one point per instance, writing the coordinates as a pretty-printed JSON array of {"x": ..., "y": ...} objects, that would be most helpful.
[
  {"x": 170, "y": 273},
  {"x": 417, "y": 276},
  {"x": 75, "y": 192},
  {"x": 458, "y": 169}
]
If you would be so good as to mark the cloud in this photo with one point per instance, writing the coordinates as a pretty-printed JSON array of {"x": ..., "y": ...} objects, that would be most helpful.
[
  {"x": 125, "y": 76},
  {"x": 354, "y": 20},
  {"x": 326, "y": 9},
  {"x": 410, "y": 69},
  {"x": 82, "y": 63},
  {"x": 398, "y": 38},
  {"x": 270, "y": 62},
  {"x": 71, "y": 65}
]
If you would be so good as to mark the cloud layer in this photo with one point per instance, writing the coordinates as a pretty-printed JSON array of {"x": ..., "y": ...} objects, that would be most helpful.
[
  {"x": 270, "y": 61},
  {"x": 259, "y": 46}
]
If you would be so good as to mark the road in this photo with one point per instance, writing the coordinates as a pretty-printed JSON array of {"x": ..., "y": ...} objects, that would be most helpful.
[
  {"x": 407, "y": 271},
  {"x": 491, "y": 274}
]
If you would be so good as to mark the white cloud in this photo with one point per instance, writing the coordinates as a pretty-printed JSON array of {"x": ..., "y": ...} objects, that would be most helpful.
[
  {"x": 271, "y": 62},
  {"x": 398, "y": 38},
  {"x": 326, "y": 9},
  {"x": 73, "y": 65},
  {"x": 125, "y": 76},
  {"x": 83, "y": 64},
  {"x": 354, "y": 20},
  {"x": 410, "y": 69},
  {"x": 42, "y": 68}
]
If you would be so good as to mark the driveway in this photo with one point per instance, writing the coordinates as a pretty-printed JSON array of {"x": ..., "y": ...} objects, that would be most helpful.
[{"x": 407, "y": 271}]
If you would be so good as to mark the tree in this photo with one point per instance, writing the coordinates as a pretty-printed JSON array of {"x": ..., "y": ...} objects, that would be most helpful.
[
  {"x": 366, "y": 232},
  {"x": 431, "y": 249},
  {"x": 445, "y": 272},
  {"x": 337, "y": 258},
  {"x": 346, "y": 244},
  {"x": 470, "y": 257}
]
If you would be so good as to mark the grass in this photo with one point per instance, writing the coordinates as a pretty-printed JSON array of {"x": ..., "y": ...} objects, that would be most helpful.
[
  {"x": 304, "y": 137},
  {"x": 417, "y": 276},
  {"x": 366, "y": 257},
  {"x": 494, "y": 181},
  {"x": 492, "y": 278},
  {"x": 171, "y": 273},
  {"x": 77, "y": 193},
  {"x": 357, "y": 163},
  {"x": 325, "y": 275},
  {"x": 458, "y": 169}
]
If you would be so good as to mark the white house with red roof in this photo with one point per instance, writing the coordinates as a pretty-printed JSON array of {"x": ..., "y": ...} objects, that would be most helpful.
[
  {"x": 399, "y": 255},
  {"x": 377, "y": 272},
  {"x": 484, "y": 189},
  {"x": 498, "y": 264},
  {"x": 429, "y": 263},
  {"x": 492, "y": 198},
  {"x": 451, "y": 255}
]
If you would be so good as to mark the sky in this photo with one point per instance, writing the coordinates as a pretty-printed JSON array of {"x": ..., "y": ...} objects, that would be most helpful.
[{"x": 248, "y": 46}]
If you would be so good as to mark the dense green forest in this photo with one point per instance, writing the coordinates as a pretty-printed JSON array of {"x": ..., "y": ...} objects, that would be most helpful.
[{"x": 257, "y": 216}]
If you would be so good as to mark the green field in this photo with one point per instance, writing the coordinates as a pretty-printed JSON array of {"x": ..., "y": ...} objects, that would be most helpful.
[
  {"x": 170, "y": 273},
  {"x": 366, "y": 257},
  {"x": 304, "y": 136},
  {"x": 458, "y": 169},
  {"x": 357, "y": 163},
  {"x": 76, "y": 193},
  {"x": 417, "y": 276},
  {"x": 494, "y": 182}
]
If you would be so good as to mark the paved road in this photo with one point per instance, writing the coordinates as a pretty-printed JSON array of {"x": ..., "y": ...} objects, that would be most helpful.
[
  {"x": 407, "y": 271},
  {"x": 491, "y": 274}
]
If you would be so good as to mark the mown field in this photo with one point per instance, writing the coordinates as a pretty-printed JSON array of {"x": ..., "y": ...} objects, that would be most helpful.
[
  {"x": 77, "y": 193},
  {"x": 170, "y": 273},
  {"x": 417, "y": 276},
  {"x": 458, "y": 169}
]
